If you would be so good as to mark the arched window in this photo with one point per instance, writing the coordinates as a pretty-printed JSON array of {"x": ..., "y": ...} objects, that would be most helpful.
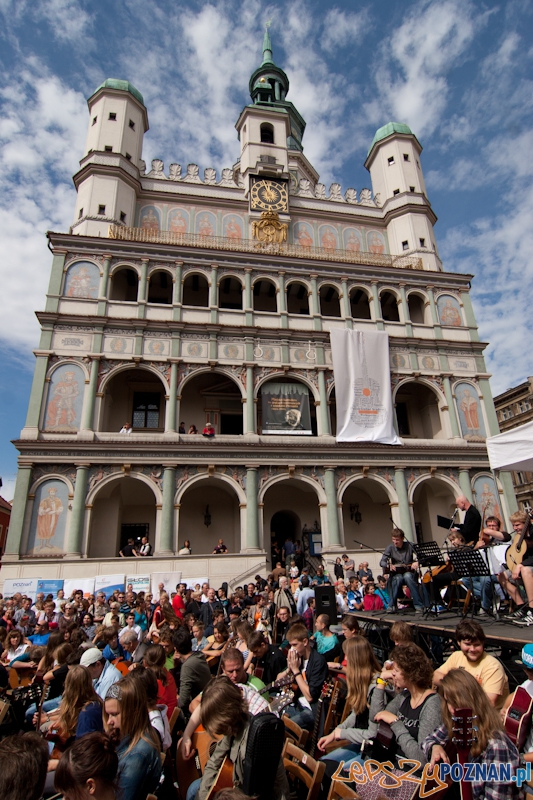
[
  {"x": 297, "y": 299},
  {"x": 195, "y": 291},
  {"x": 124, "y": 285},
  {"x": 230, "y": 293},
  {"x": 416, "y": 308},
  {"x": 417, "y": 412},
  {"x": 160, "y": 290},
  {"x": 267, "y": 133},
  {"x": 265, "y": 296},
  {"x": 389, "y": 307},
  {"x": 329, "y": 302},
  {"x": 359, "y": 305}
]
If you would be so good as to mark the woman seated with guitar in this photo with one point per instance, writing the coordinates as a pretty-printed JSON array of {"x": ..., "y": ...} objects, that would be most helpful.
[
  {"x": 362, "y": 671},
  {"x": 213, "y": 650},
  {"x": 224, "y": 715},
  {"x": 486, "y": 744}
]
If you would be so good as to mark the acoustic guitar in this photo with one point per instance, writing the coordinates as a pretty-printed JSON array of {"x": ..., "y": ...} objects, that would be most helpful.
[
  {"x": 517, "y": 717},
  {"x": 518, "y": 547},
  {"x": 462, "y": 738},
  {"x": 190, "y": 769},
  {"x": 224, "y": 778},
  {"x": 327, "y": 689}
]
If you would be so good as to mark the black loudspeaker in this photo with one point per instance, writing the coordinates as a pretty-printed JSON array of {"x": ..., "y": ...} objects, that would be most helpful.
[{"x": 325, "y": 602}]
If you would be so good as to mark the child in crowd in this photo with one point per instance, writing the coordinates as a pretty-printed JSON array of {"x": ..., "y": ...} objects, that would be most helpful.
[
  {"x": 309, "y": 614},
  {"x": 372, "y": 601}
]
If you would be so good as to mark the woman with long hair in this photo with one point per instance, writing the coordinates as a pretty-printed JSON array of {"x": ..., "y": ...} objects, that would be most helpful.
[
  {"x": 213, "y": 650},
  {"x": 459, "y": 689},
  {"x": 79, "y": 713},
  {"x": 350, "y": 628},
  {"x": 241, "y": 633},
  {"x": 47, "y": 661},
  {"x": 88, "y": 769},
  {"x": 154, "y": 660},
  {"x": 88, "y": 626},
  {"x": 126, "y": 720},
  {"x": 157, "y": 711},
  {"x": 362, "y": 672},
  {"x": 14, "y": 646}
]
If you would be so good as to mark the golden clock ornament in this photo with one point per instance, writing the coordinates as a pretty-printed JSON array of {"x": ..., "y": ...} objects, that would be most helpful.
[{"x": 269, "y": 195}]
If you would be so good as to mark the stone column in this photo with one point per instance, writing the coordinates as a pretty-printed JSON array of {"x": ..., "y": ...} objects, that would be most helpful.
[
  {"x": 166, "y": 539},
  {"x": 488, "y": 403},
  {"x": 252, "y": 521},
  {"x": 104, "y": 286},
  {"x": 283, "y": 301},
  {"x": 403, "y": 504},
  {"x": 77, "y": 516},
  {"x": 451, "y": 407},
  {"x": 213, "y": 292},
  {"x": 143, "y": 289},
  {"x": 346, "y": 303},
  {"x": 405, "y": 311},
  {"x": 334, "y": 534},
  {"x": 470, "y": 317},
  {"x": 377, "y": 307},
  {"x": 90, "y": 396},
  {"x": 37, "y": 395},
  {"x": 177, "y": 292},
  {"x": 250, "y": 404},
  {"x": 170, "y": 420},
  {"x": 464, "y": 483},
  {"x": 315, "y": 305},
  {"x": 324, "y": 416},
  {"x": 248, "y": 300},
  {"x": 56, "y": 279},
  {"x": 434, "y": 313},
  {"x": 16, "y": 522}
]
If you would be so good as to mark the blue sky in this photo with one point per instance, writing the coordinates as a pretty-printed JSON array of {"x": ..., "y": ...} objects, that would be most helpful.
[{"x": 458, "y": 72}]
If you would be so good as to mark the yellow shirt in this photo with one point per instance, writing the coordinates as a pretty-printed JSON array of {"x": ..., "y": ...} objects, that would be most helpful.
[{"x": 488, "y": 672}]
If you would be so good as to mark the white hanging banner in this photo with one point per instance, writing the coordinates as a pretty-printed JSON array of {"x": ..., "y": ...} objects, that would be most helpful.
[{"x": 362, "y": 386}]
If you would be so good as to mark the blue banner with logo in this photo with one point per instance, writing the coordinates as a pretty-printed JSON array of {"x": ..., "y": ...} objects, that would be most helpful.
[{"x": 50, "y": 586}]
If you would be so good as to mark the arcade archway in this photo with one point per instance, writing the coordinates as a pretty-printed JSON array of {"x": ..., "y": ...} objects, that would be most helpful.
[
  {"x": 122, "y": 508},
  {"x": 212, "y": 397},
  {"x": 431, "y": 497},
  {"x": 210, "y": 511},
  {"x": 287, "y": 506},
  {"x": 366, "y": 514}
]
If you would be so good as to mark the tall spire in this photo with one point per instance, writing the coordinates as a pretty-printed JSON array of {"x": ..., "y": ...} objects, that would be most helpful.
[{"x": 267, "y": 45}]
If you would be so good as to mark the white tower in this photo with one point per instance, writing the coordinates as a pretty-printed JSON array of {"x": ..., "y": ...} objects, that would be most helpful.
[
  {"x": 108, "y": 181},
  {"x": 396, "y": 173}
]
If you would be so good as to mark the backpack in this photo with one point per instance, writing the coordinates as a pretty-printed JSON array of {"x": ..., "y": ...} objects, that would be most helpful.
[{"x": 266, "y": 738}]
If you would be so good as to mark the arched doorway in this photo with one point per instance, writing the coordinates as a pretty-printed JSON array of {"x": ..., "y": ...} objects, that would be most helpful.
[
  {"x": 122, "y": 508},
  {"x": 215, "y": 398},
  {"x": 210, "y": 511},
  {"x": 432, "y": 497},
  {"x": 288, "y": 505},
  {"x": 417, "y": 412},
  {"x": 136, "y": 396},
  {"x": 366, "y": 514}
]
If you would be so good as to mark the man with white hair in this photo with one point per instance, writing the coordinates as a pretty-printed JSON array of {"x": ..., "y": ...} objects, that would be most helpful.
[
  {"x": 283, "y": 595},
  {"x": 102, "y": 672}
]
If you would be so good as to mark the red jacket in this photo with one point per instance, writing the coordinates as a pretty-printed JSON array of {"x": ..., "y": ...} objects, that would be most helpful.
[{"x": 372, "y": 602}]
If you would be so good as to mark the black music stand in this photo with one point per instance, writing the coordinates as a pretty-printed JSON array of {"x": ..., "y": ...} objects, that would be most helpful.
[
  {"x": 429, "y": 554},
  {"x": 469, "y": 563}
]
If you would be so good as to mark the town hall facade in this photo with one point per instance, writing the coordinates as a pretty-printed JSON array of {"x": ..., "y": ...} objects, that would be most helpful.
[{"x": 181, "y": 296}]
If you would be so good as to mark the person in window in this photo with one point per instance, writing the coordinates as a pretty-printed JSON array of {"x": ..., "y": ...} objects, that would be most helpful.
[
  {"x": 145, "y": 548},
  {"x": 129, "y": 550},
  {"x": 192, "y": 429},
  {"x": 182, "y": 427},
  {"x": 220, "y": 548},
  {"x": 208, "y": 431},
  {"x": 126, "y": 428}
]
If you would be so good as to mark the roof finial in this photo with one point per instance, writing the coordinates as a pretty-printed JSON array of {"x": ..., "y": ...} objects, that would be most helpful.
[{"x": 267, "y": 44}]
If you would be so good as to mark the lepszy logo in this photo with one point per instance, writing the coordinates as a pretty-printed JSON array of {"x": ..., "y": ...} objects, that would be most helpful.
[{"x": 431, "y": 779}]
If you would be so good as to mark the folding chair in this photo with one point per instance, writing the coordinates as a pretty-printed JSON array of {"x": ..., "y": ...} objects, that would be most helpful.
[
  {"x": 294, "y": 733},
  {"x": 302, "y": 768}
]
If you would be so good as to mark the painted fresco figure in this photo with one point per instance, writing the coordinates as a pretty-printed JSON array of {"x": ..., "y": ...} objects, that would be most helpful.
[
  {"x": 304, "y": 237},
  {"x": 150, "y": 221},
  {"x": 375, "y": 244},
  {"x": 178, "y": 224},
  {"x": 352, "y": 243},
  {"x": 233, "y": 230},
  {"x": 48, "y": 516},
  {"x": 469, "y": 407},
  {"x": 450, "y": 315},
  {"x": 80, "y": 284},
  {"x": 61, "y": 409}
]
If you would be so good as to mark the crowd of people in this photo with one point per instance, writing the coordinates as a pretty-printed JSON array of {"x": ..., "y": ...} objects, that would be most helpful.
[{"x": 125, "y": 672}]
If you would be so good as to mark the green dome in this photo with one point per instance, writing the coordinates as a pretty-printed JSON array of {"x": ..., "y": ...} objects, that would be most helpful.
[
  {"x": 388, "y": 130},
  {"x": 123, "y": 86}
]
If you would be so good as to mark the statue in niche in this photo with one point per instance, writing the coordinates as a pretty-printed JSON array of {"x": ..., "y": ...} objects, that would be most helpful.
[
  {"x": 305, "y": 188},
  {"x": 320, "y": 191},
  {"x": 365, "y": 198},
  {"x": 335, "y": 193},
  {"x": 227, "y": 178},
  {"x": 157, "y": 170},
  {"x": 210, "y": 176},
  {"x": 192, "y": 175},
  {"x": 351, "y": 196},
  {"x": 174, "y": 172}
]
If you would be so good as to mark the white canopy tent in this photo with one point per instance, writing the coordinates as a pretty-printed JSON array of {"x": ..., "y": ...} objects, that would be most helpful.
[{"x": 512, "y": 449}]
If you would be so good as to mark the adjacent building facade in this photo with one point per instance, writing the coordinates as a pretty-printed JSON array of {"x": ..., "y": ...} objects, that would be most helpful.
[
  {"x": 184, "y": 296},
  {"x": 514, "y": 408}
]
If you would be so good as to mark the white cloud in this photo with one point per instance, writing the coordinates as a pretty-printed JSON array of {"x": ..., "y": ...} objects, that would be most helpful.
[
  {"x": 414, "y": 64},
  {"x": 67, "y": 20},
  {"x": 341, "y": 29}
]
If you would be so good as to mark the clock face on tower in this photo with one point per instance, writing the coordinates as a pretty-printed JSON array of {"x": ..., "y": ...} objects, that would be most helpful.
[{"x": 269, "y": 195}]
